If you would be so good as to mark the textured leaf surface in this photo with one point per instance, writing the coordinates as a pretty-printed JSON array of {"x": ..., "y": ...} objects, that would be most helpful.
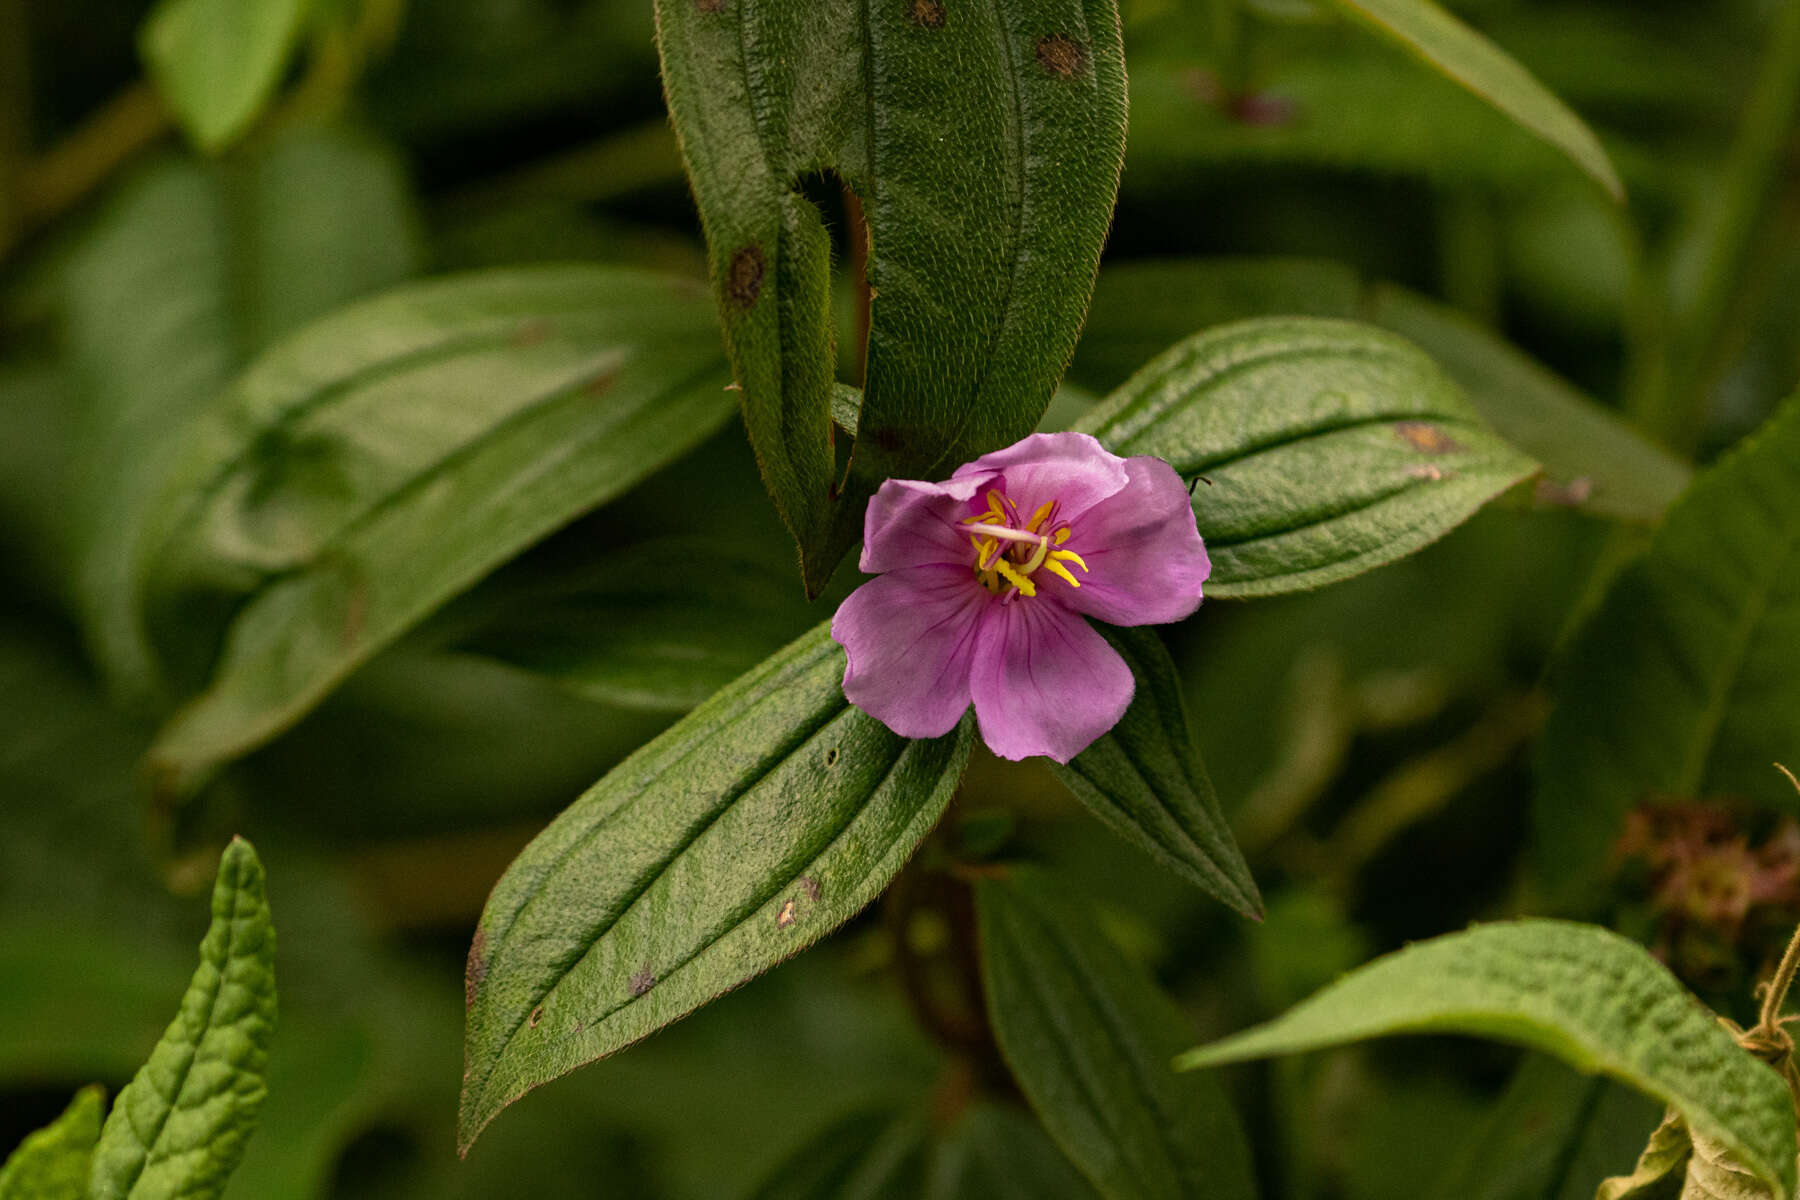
[
  {"x": 1325, "y": 448},
  {"x": 382, "y": 460},
  {"x": 1590, "y": 997},
  {"x": 985, "y": 142},
  {"x": 1463, "y": 55},
  {"x": 1144, "y": 779},
  {"x": 1685, "y": 682},
  {"x": 179, "y": 1127},
  {"x": 53, "y": 1163},
  {"x": 217, "y": 62},
  {"x": 1089, "y": 1040},
  {"x": 764, "y": 819},
  {"x": 1677, "y": 1156}
]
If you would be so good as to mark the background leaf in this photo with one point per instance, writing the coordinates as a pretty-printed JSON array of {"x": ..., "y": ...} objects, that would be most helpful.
[
  {"x": 1592, "y": 998},
  {"x": 179, "y": 1127},
  {"x": 1144, "y": 780},
  {"x": 761, "y": 821},
  {"x": 1089, "y": 1040},
  {"x": 53, "y": 1163},
  {"x": 1326, "y": 448},
  {"x": 985, "y": 226},
  {"x": 384, "y": 459},
  {"x": 217, "y": 62},
  {"x": 1681, "y": 684}
]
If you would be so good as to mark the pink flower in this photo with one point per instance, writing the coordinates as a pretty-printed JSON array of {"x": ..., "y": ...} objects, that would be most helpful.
[{"x": 984, "y": 581}]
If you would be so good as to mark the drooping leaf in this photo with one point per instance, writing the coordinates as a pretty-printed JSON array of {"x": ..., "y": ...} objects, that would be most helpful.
[
  {"x": 1588, "y": 996},
  {"x": 985, "y": 142},
  {"x": 217, "y": 62},
  {"x": 1321, "y": 449},
  {"x": 1144, "y": 779},
  {"x": 1464, "y": 56},
  {"x": 190, "y": 269},
  {"x": 765, "y": 818},
  {"x": 179, "y": 1127},
  {"x": 1089, "y": 1040},
  {"x": 53, "y": 1163},
  {"x": 373, "y": 465},
  {"x": 1593, "y": 460},
  {"x": 1676, "y": 1156},
  {"x": 1684, "y": 683}
]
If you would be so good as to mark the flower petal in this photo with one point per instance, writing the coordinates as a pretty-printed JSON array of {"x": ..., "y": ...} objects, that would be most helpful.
[
  {"x": 1145, "y": 559},
  {"x": 910, "y": 523},
  {"x": 1073, "y": 469},
  {"x": 1044, "y": 682},
  {"x": 910, "y": 636}
]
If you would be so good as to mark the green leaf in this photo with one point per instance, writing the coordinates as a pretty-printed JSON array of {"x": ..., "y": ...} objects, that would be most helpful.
[
  {"x": 997, "y": 1153},
  {"x": 985, "y": 142},
  {"x": 660, "y": 626},
  {"x": 1459, "y": 53},
  {"x": 217, "y": 62},
  {"x": 1684, "y": 682},
  {"x": 1144, "y": 779},
  {"x": 52, "y": 1164},
  {"x": 225, "y": 256},
  {"x": 1323, "y": 448},
  {"x": 767, "y": 817},
  {"x": 1089, "y": 1040},
  {"x": 179, "y": 1127},
  {"x": 868, "y": 1155},
  {"x": 382, "y": 460},
  {"x": 1586, "y": 995}
]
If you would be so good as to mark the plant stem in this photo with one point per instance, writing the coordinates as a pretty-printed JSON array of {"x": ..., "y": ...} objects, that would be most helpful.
[{"x": 125, "y": 125}]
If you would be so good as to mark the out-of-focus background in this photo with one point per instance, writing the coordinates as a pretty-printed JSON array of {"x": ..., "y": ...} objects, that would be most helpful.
[{"x": 1372, "y": 741}]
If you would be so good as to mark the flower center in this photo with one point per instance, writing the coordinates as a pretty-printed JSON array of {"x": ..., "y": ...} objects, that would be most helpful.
[{"x": 1009, "y": 551}]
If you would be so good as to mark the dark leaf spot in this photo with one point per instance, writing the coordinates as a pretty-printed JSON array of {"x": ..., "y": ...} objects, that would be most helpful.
[
  {"x": 1565, "y": 495},
  {"x": 1061, "y": 56},
  {"x": 928, "y": 14},
  {"x": 641, "y": 981},
  {"x": 598, "y": 385},
  {"x": 831, "y": 757},
  {"x": 477, "y": 967},
  {"x": 533, "y": 332},
  {"x": 785, "y": 917},
  {"x": 1426, "y": 438},
  {"x": 537, "y": 1014},
  {"x": 710, "y": 6},
  {"x": 811, "y": 887},
  {"x": 743, "y": 278}
]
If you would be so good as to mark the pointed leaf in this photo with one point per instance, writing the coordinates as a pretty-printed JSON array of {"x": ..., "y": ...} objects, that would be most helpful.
[
  {"x": 179, "y": 1127},
  {"x": 1459, "y": 53},
  {"x": 1000, "y": 1153},
  {"x": 217, "y": 62},
  {"x": 53, "y": 1163},
  {"x": 1590, "y": 997},
  {"x": 384, "y": 459},
  {"x": 985, "y": 142},
  {"x": 1321, "y": 449},
  {"x": 1144, "y": 779},
  {"x": 1684, "y": 683},
  {"x": 767, "y": 817},
  {"x": 1089, "y": 1040}
]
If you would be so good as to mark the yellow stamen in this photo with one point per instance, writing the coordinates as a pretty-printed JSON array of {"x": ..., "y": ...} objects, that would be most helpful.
[
  {"x": 1062, "y": 535},
  {"x": 1071, "y": 556},
  {"x": 1037, "y": 518},
  {"x": 1022, "y": 582},
  {"x": 1056, "y": 568}
]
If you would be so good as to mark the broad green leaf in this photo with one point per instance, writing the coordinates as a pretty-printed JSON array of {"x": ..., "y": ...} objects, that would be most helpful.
[
  {"x": 1448, "y": 46},
  {"x": 1590, "y": 997},
  {"x": 1592, "y": 459},
  {"x": 384, "y": 459},
  {"x": 998, "y": 1153},
  {"x": 1322, "y": 449},
  {"x": 179, "y": 1127},
  {"x": 985, "y": 142},
  {"x": 217, "y": 62},
  {"x": 865, "y": 1156},
  {"x": 1089, "y": 1040},
  {"x": 764, "y": 819},
  {"x": 53, "y": 1163},
  {"x": 1144, "y": 779},
  {"x": 191, "y": 268},
  {"x": 660, "y": 626},
  {"x": 1684, "y": 683}
]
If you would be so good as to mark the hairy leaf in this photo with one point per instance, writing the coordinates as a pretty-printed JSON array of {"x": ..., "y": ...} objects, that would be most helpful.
[
  {"x": 383, "y": 459},
  {"x": 1144, "y": 779},
  {"x": 764, "y": 819},
  {"x": 217, "y": 62},
  {"x": 1320, "y": 449},
  {"x": 1590, "y": 997},
  {"x": 1463, "y": 55},
  {"x": 53, "y": 1163},
  {"x": 985, "y": 143},
  {"x": 1089, "y": 1040},
  {"x": 1682, "y": 684},
  {"x": 179, "y": 1127}
]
